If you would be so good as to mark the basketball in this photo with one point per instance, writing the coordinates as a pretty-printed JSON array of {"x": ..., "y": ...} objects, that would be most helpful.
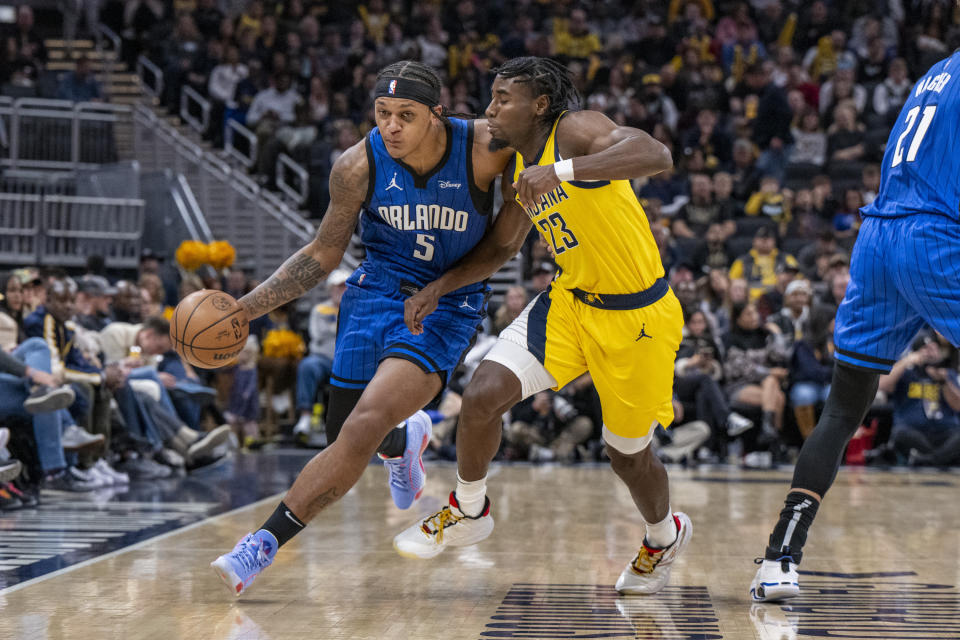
[{"x": 209, "y": 329}]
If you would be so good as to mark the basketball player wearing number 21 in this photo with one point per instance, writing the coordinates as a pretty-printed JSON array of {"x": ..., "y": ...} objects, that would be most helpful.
[
  {"x": 904, "y": 274},
  {"x": 609, "y": 312},
  {"x": 421, "y": 186}
]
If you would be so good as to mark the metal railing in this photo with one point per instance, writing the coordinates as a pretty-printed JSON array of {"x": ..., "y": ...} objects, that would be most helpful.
[
  {"x": 246, "y": 153},
  {"x": 191, "y": 103},
  {"x": 288, "y": 168},
  {"x": 190, "y": 211},
  {"x": 58, "y": 230},
  {"x": 151, "y": 84},
  {"x": 59, "y": 134}
]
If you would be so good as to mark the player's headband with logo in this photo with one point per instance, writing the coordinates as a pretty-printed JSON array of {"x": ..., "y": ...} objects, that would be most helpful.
[{"x": 406, "y": 88}]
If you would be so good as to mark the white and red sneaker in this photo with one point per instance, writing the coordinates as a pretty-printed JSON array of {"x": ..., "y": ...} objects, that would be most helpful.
[
  {"x": 650, "y": 570},
  {"x": 448, "y": 527}
]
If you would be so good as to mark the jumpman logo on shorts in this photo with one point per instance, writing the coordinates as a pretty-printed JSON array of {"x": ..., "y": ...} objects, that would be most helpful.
[
  {"x": 393, "y": 183},
  {"x": 643, "y": 333},
  {"x": 466, "y": 303}
]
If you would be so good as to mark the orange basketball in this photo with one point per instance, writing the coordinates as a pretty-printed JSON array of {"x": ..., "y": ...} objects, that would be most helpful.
[{"x": 209, "y": 329}]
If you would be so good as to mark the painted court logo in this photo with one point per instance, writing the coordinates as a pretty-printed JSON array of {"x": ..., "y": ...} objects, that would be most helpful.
[{"x": 393, "y": 87}]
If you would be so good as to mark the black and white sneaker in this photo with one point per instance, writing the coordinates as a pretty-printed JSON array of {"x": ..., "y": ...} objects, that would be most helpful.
[{"x": 44, "y": 399}]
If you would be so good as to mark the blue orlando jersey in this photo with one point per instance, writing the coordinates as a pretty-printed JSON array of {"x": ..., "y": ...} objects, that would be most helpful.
[
  {"x": 415, "y": 227},
  {"x": 921, "y": 163}
]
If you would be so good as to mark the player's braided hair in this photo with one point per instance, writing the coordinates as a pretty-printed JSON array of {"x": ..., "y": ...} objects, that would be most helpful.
[
  {"x": 547, "y": 78},
  {"x": 419, "y": 72}
]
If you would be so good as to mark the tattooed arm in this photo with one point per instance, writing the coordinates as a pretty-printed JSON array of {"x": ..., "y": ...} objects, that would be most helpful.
[{"x": 313, "y": 263}]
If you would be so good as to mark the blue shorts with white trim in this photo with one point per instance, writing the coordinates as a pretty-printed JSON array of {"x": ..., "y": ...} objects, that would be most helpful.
[
  {"x": 371, "y": 328},
  {"x": 904, "y": 274}
]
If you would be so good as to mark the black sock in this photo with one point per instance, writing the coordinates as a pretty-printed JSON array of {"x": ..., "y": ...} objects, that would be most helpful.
[
  {"x": 769, "y": 420},
  {"x": 395, "y": 443},
  {"x": 790, "y": 534},
  {"x": 283, "y": 524}
]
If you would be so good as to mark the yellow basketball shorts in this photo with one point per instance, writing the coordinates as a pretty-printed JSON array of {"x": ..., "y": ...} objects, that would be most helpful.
[{"x": 627, "y": 343}]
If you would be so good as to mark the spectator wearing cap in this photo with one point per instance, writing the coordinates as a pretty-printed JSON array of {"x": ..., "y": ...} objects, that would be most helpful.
[
  {"x": 94, "y": 296},
  {"x": 314, "y": 370},
  {"x": 792, "y": 320},
  {"x": 660, "y": 107},
  {"x": 656, "y": 47},
  {"x": 925, "y": 392},
  {"x": 759, "y": 265},
  {"x": 80, "y": 85}
]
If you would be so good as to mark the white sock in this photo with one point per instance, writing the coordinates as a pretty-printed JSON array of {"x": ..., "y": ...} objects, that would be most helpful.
[
  {"x": 662, "y": 534},
  {"x": 471, "y": 495}
]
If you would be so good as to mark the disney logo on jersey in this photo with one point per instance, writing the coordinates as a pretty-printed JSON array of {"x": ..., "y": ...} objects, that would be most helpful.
[
  {"x": 393, "y": 183},
  {"x": 547, "y": 200},
  {"x": 447, "y": 184}
]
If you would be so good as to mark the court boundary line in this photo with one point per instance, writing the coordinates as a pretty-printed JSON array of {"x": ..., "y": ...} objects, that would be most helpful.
[{"x": 135, "y": 546}]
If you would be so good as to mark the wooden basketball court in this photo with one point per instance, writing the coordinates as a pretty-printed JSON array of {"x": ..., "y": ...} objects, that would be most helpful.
[{"x": 881, "y": 561}]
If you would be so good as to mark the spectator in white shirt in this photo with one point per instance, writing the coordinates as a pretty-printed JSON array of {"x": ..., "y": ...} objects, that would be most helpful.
[{"x": 222, "y": 88}]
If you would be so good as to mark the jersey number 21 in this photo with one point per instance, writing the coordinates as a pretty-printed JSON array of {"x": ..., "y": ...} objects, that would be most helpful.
[{"x": 928, "y": 112}]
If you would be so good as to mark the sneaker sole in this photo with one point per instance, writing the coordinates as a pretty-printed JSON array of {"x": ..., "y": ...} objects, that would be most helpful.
[
  {"x": 208, "y": 443},
  {"x": 11, "y": 471},
  {"x": 437, "y": 549},
  {"x": 230, "y": 580},
  {"x": 775, "y": 591},
  {"x": 96, "y": 442},
  {"x": 53, "y": 401}
]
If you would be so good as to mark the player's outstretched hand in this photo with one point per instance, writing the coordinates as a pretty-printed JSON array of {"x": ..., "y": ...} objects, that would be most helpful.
[
  {"x": 419, "y": 306},
  {"x": 535, "y": 181}
]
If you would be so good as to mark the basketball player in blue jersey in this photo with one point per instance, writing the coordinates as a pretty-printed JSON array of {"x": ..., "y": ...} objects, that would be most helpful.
[
  {"x": 420, "y": 184},
  {"x": 904, "y": 274}
]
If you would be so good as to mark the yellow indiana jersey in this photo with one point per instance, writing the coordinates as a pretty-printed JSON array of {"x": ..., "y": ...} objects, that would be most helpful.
[{"x": 598, "y": 231}]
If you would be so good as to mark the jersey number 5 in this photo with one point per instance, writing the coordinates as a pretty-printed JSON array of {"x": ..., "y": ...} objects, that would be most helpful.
[
  {"x": 424, "y": 249},
  {"x": 928, "y": 112},
  {"x": 556, "y": 221}
]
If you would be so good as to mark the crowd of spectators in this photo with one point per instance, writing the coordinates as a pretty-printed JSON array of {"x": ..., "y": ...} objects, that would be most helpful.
[{"x": 776, "y": 112}]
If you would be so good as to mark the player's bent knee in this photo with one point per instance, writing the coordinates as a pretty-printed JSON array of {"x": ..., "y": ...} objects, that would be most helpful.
[{"x": 489, "y": 392}]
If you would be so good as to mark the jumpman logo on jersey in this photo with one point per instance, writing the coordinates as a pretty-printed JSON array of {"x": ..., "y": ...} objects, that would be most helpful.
[
  {"x": 466, "y": 304},
  {"x": 393, "y": 183},
  {"x": 643, "y": 333}
]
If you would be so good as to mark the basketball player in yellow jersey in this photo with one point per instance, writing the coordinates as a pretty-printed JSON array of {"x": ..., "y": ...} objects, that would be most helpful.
[{"x": 609, "y": 312}]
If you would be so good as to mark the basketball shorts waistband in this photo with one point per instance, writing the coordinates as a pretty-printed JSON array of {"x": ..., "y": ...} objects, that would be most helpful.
[{"x": 623, "y": 301}]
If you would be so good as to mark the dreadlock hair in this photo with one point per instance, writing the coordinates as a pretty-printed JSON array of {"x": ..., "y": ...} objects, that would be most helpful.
[
  {"x": 547, "y": 77},
  {"x": 419, "y": 72}
]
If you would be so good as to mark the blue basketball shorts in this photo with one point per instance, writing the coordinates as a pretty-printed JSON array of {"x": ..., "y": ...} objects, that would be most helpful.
[
  {"x": 904, "y": 274},
  {"x": 371, "y": 329}
]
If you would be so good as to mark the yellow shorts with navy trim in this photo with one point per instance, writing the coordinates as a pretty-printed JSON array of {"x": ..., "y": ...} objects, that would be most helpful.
[{"x": 629, "y": 353}]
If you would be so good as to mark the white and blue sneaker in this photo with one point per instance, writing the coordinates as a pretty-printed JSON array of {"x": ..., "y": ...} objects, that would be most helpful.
[
  {"x": 253, "y": 554},
  {"x": 775, "y": 580},
  {"x": 406, "y": 474}
]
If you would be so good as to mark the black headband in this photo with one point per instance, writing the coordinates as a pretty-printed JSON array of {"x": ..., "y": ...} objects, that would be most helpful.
[{"x": 407, "y": 88}]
